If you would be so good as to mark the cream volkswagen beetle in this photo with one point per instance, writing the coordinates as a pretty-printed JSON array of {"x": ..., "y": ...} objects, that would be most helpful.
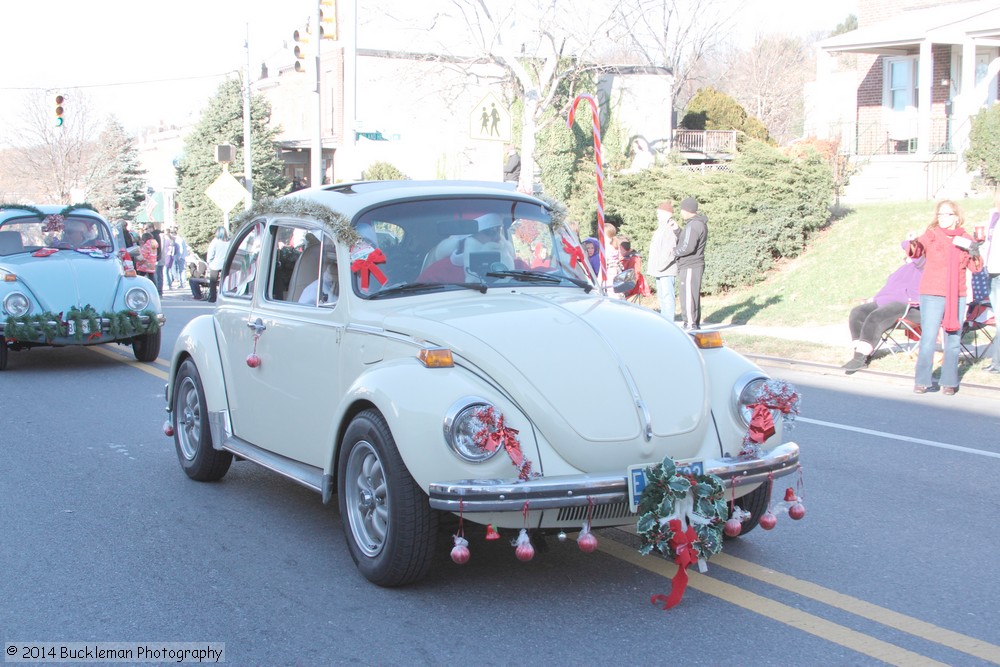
[{"x": 423, "y": 350}]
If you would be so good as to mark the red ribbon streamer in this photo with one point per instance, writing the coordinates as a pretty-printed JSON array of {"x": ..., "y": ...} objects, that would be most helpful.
[
  {"x": 682, "y": 544},
  {"x": 575, "y": 253},
  {"x": 367, "y": 267}
]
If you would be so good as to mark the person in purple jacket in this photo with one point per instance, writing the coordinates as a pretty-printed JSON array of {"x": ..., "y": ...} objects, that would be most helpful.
[{"x": 874, "y": 317}]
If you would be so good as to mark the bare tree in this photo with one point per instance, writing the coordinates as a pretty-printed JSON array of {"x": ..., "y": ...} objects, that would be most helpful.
[
  {"x": 53, "y": 163},
  {"x": 767, "y": 81},
  {"x": 677, "y": 34}
]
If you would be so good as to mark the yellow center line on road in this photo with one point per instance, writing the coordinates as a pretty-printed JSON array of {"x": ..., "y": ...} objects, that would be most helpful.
[
  {"x": 887, "y": 617},
  {"x": 142, "y": 366},
  {"x": 810, "y": 623}
]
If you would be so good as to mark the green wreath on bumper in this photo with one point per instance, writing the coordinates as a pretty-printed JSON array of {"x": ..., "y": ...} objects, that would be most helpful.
[{"x": 43, "y": 327}]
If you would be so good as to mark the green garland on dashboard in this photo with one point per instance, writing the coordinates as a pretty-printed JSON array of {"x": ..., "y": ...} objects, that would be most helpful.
[
  {"x": 40, "y": 214},
  {"x": 336, "y": 223},
  {"x": 44, "y": 327}
]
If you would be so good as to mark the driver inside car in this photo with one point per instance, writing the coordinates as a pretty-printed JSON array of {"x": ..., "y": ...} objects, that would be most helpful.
[
  {"x": 74, "y": 233},
  {"x": 475, "y": 255}
]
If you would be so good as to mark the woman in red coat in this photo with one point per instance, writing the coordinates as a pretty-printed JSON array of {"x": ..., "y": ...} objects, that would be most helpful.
[{"x": 950, "y": 251}]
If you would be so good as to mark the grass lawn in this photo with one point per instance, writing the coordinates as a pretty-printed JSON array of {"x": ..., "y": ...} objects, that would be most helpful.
[{"x": 844, "y": 264}]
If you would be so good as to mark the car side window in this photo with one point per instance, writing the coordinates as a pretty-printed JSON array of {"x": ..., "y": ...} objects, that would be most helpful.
[
  {"x": 241, "y": 272},
  {"x": 304, "y": 267}
]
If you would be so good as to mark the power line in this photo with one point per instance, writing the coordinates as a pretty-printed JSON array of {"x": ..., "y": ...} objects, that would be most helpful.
[{"x": 123, "y": 83}]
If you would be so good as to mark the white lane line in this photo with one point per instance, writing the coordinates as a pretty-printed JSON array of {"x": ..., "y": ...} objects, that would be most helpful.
[{"x": 904, "y": 438}]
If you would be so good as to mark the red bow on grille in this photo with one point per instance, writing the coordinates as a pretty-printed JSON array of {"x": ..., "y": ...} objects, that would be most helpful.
[
  {"x": 761, "y": 423},
  {"x": 367, "y": 267}
]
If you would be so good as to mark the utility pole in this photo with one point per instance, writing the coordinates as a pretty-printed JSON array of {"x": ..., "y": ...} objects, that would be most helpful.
[
  {"x": 247, "y": 136},
  {"x": 316, "y": 178}
]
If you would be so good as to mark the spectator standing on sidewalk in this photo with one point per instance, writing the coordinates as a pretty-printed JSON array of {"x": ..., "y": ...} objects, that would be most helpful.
[
  {"x": 180, "y": 258},
  {"x": 160, "y": 258},
  {"x": 690, "y": 253},
  {"x": 991, "y": 253},
  {"x": 662, "y": 262},
  {"x": 216, "y": 258},
  {"x": 950, "y": 251},
  {"x": 168, "y": 258}
]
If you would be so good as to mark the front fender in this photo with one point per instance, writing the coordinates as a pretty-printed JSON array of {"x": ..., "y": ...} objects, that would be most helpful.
[
  {"x": 416, "y": 415},
  {"x": 198, "y": 342}
]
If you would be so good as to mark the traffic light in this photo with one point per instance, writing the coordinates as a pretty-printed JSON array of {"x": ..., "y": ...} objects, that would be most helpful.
[
  {"x": 328, "y": 19},
  {"x": 301, "y": 37},
  {"x": 59, "y": 110}
]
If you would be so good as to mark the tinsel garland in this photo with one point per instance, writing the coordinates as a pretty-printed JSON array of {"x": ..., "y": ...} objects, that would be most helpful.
[
  {"x": 44, "y": 327},
  {"x": 336, "y": 223},
  {"x": 558, "y": 212},
  {"x": 41, "y": 216}
]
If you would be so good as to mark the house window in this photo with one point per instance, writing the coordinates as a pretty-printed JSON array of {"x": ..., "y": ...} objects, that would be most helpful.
[{"x": 901, "y": 78}]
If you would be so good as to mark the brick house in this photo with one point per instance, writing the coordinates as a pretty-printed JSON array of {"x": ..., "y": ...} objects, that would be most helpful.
[{"x": 900, "y": 90}]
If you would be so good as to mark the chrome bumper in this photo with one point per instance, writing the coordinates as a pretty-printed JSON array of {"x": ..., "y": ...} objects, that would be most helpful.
[
  {"x": 103, "y": 322},
  {"x": 507, "y": 495}
]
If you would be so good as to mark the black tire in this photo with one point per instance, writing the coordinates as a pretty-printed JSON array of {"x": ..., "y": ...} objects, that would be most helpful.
[
  {"x": 755, "y": 502},
  {"x": 147, "y": 347},
  {"x": 390, "y": 527},
  {"x": 3, "y": 353},
  {"x": 192, "y": 436}
]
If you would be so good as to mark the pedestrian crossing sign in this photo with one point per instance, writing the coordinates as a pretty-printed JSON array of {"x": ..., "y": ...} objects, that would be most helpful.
[{"x": 490, "y": 120}]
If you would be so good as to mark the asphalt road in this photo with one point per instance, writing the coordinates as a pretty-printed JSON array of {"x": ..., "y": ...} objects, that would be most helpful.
[{"x": 104, "y": 539}]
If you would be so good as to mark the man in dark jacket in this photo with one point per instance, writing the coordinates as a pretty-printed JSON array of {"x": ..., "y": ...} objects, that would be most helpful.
[{"x": 690, "y": 253}]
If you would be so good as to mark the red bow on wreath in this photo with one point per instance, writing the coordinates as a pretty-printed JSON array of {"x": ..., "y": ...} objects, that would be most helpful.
[
  {"x": 575, "y": 253},
  {"x": 682, "y": 544},
  {"x": 367, "y": 267}
]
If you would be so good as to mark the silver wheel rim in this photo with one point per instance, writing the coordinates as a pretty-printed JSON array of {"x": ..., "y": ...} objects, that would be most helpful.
[
  {"x": 367, "y": 496},
  {"x": 188, "y": 418}
]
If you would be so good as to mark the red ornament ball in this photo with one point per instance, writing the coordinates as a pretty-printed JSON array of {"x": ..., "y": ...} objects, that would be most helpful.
[
  {"x": 460, "y": 554},
  {"x": 168, "y": 429},
  {"x": 768, "y": 521},
  {"x": 587, "y": 542},
  {"x": 525, "y": 552},
  {"x": 797, "y": 511},
  {"x": 733, "y": 527},
  {"x": 253, "y": 360}
]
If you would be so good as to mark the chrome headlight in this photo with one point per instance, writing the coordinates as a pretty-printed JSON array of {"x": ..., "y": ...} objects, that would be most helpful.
[
  {"x": 462, "y": 423},
  {"x": 16, "y": 304},
  {"x": 747, "y": 393},
  {"x": 136, "y": 298}
]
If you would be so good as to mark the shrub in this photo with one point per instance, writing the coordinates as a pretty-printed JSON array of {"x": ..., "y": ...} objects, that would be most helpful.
[
  {"x": 383, "y": 171},
  {"x": 984, "y": 144},
  {"x": 711, "y": 110}
]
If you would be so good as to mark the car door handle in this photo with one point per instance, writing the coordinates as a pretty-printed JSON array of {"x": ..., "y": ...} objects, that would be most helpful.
[{"x": 257, "y": 326}]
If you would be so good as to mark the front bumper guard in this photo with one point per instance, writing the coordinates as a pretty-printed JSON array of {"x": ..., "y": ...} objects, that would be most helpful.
[{"x": 508, "y": 495}]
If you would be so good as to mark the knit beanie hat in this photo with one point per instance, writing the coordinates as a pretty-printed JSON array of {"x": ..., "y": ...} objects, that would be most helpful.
[{"x": 690, "y": 205}]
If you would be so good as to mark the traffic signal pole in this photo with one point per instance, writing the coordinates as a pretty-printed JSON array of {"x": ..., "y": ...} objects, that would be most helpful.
[{"x": 247, "y": 135}]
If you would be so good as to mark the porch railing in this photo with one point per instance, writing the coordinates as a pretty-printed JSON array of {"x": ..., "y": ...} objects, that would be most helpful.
[
  {"x": 879, "y": 137},
  {"x": 706, "y": 142}
]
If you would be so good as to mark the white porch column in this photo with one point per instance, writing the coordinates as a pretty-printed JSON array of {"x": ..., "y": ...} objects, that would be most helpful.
[
  {"x": 965, "y": 107},
  {"x": 925, "y": 82}
]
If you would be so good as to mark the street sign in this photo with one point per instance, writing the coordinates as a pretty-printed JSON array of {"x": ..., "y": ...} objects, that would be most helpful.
[
  {"x": 226, "y": 192},
  {"x": 490, "y": 120}
]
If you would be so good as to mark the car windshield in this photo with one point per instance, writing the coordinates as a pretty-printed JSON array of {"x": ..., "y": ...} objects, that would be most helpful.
[
  {"x": 434, "y": 245},
  {"x": 70, "y": 232}
]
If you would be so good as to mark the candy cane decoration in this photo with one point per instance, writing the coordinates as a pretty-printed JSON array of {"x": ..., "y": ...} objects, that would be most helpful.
[{"x": 600, "y": 176}]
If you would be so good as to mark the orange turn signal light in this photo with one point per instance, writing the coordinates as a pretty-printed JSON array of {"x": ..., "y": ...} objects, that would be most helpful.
[
  {"x": 10, "y": 278},
  {"x": 436, "y": 357},
  {"x": 130, "y": 273},
  {"x": 708, "y": 339}
]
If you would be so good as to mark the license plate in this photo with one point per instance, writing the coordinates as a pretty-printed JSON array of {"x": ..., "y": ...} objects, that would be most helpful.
[
  {"x": 71, "y": 327},
  {"x": 637, "y": 478}
]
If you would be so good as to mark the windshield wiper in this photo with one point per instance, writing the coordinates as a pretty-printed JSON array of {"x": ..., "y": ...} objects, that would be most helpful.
[
  {"x": 540, "y": 277},
  {"x": 424, "y": 287}
]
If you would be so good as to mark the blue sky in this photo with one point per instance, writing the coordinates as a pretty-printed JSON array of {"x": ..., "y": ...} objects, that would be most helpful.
[{"x": 148, "y": 61}]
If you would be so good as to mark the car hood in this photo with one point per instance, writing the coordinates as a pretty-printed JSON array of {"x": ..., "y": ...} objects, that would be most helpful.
[
  {"x": 602, "y": 369},
  {"x": 69, "y": 279}
]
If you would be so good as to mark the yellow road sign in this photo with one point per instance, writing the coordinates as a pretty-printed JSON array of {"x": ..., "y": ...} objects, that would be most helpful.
[
  {"x": 226, "y": 191},
  {"x": 490, "y": 120}
]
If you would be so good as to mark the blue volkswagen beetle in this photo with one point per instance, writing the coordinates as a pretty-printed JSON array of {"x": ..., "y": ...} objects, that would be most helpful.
[{"x": 67, "y": 278}]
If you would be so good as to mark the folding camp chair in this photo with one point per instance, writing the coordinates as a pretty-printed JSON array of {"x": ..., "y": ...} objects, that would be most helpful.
[
  {"x": 979, "y": 318},
  {"x": 904, "y": 336}
]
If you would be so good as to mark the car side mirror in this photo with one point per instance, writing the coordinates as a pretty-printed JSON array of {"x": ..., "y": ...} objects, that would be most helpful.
[{"x": 624, "y": 281}]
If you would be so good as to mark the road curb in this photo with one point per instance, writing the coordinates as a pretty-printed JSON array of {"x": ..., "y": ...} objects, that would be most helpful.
[{"x": 890, "y": 378}]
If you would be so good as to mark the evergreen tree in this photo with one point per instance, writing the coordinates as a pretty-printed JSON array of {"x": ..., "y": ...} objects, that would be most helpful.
[
  {"x": 119, "y": 181},
  {"x": 711, "y": 110},
  {"x": 222, "y": 123}
]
